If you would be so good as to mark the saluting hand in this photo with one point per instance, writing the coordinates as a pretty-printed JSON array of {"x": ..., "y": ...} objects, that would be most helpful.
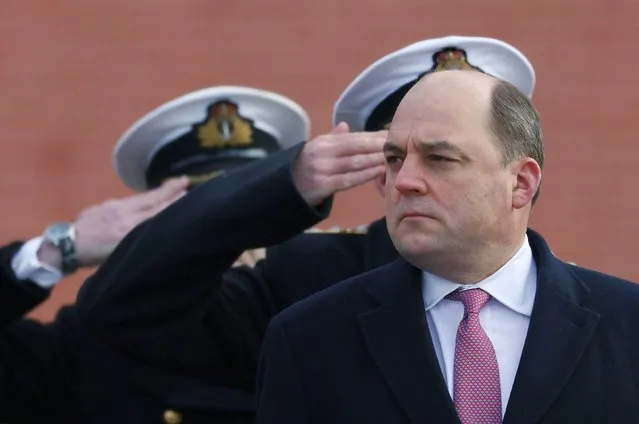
[
  {"x": 338, "y": 161},
  {"x": 101, "y": 227}
]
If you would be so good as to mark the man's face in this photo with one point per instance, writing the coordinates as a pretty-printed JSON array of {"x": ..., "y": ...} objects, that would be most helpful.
[{"x": 446, "y": 187}]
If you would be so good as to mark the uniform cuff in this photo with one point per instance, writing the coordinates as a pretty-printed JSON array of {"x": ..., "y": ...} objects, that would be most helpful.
[{"x": 27, "y": 266}]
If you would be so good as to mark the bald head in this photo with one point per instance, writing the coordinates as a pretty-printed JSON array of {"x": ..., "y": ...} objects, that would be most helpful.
[
  {"x": 462, "y": 83},
  {"x": 468, "y": 92},
  {"x": 506, "y": 112}
]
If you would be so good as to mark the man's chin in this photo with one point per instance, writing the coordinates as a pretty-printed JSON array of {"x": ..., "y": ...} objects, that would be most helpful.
[{"x": 415, "y": 246}]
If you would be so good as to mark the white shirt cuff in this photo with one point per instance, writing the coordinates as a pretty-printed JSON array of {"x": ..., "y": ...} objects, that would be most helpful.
[{"x": 27, "y": 266}]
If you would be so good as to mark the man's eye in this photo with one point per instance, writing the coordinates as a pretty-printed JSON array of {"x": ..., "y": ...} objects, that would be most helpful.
[
  {"x": 392, "y": 159},
  {"x": 440, "y": 158}
]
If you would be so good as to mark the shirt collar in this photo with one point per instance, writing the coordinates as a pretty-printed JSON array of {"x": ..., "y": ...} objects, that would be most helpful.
[{"x": 514, "y": 284}]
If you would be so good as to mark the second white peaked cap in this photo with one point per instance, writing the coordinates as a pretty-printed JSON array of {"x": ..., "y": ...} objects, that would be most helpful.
[{"x": 394, "y": 71}]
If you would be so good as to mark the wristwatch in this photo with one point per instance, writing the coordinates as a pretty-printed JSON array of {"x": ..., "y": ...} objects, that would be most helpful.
[{"x": 62, "y": 236}]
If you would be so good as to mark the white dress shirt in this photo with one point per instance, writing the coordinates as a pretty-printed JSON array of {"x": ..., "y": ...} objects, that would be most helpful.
[
  {"x": 504, "y": 318},
  {"x": 27, "y": 266}
]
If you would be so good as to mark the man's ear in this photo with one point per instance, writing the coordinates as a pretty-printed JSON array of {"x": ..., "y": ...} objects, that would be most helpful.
[{"x": 526, "y": 181}]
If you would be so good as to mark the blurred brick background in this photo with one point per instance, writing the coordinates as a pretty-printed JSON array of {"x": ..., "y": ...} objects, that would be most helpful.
[{"x": 75, "y": 74}]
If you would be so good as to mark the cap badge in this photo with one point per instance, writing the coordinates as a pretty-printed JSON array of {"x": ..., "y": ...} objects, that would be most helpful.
[
  {"x": 224, "y": 127},
  {"x": 450, "y": 58}
]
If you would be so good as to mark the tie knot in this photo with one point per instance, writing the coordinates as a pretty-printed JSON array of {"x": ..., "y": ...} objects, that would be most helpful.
[{"x": 473, "y": 299}]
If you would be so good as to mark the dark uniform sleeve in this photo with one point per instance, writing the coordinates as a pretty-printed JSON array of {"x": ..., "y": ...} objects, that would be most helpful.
[
  {"x": 150, "y": 299},
  {"x": 240, "y": 311},
  {"x": 37, "y": 369},
  {"x": 17, "y": 297},
  {"x": 35, "y": 359}
]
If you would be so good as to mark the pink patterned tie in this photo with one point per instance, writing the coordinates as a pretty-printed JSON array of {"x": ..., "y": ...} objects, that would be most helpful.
[{"x": 476, "y": 388}]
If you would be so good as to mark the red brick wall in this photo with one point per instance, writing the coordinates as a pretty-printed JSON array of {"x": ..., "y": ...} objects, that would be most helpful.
[{"x": 75, "y": 74}]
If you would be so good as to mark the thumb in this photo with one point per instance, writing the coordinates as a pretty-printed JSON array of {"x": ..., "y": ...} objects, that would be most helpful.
[{"x": 341, "y": 128}]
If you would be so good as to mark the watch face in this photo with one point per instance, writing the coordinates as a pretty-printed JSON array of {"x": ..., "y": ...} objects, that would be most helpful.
[
  {"x": 62, "y": 235},
  {"x": 58, "y": 231}
]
